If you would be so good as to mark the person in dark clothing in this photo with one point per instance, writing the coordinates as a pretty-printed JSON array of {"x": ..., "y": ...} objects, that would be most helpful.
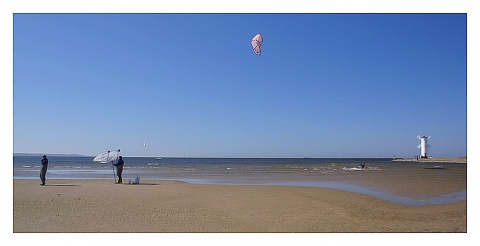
[
  {"x": 43, "y": 169},
  {"x": 119, "y": 166}
]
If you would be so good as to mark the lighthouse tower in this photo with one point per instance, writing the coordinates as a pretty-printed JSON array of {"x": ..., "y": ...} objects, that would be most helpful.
[{"x": 423, "y": 146}]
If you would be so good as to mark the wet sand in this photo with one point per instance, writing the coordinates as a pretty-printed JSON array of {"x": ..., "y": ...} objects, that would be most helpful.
[{"x": 172, "y": 206}]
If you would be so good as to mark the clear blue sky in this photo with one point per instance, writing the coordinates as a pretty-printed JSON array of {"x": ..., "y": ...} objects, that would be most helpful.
[{"x": 326, "y": 85}]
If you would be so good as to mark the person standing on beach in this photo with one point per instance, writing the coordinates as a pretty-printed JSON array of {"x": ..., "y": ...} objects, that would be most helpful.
[
  {"x": 119, "y": 166},
  {"x": 43, "y": 169}
]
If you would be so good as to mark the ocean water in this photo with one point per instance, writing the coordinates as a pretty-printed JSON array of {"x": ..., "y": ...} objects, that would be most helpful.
[{"x": 381, "y": 178}]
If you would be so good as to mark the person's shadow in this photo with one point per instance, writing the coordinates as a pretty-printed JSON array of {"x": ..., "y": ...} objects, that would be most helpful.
[{"x": 60, "y": 185}]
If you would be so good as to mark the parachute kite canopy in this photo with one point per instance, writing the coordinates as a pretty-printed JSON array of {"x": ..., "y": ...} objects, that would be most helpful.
[
  {"x": 256, "y": 43},
  {"x": 106, "y": 157}
]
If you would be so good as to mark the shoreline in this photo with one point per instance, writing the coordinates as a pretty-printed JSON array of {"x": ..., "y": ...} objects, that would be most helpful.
[
  {"x": 409, "y": 183},
  {"x": 174, "y": 206},
  {"x": 433, "y": 160}
]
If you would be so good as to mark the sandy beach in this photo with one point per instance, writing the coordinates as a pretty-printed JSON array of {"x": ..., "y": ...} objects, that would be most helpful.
[{"x": 172, "y": 206}]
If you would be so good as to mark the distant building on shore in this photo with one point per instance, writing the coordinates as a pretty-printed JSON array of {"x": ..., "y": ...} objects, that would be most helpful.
[{"x": 423, "y": 146}]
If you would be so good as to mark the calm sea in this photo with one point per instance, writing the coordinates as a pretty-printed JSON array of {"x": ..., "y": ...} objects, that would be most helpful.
[
  {"x": 381, "y": 177},
  {"x": 231, "y": 169}
]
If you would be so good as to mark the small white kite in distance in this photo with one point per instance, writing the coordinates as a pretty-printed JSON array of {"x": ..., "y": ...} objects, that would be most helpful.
[
  {"x": 145, "y": 144},
  {"x": 256, "y": 44}
]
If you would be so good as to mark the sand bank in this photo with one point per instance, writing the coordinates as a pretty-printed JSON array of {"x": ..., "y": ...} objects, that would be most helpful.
[{"x": 171, "y": 206}]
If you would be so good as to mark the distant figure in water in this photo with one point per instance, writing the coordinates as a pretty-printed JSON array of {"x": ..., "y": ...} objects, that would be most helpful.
[
  {"x": 43, "y": 169},
  {"x": 119, "y": 166}
]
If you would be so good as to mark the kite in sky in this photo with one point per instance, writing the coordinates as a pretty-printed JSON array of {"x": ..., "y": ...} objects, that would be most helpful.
[{"x": 256, "y": 43}]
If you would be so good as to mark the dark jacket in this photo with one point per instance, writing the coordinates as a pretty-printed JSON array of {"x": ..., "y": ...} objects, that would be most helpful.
[
  {"x": 44, "y": 161},
  {"x": 119, "y": 163}
]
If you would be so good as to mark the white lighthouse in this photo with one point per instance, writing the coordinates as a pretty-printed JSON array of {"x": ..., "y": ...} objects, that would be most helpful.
[{"x": 423, "y": 146}]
